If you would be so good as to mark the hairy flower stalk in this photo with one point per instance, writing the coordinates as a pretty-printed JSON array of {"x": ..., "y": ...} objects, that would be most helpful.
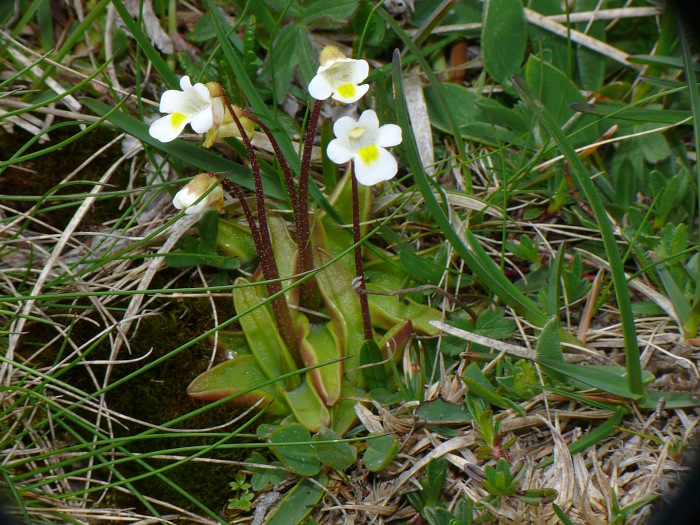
[
  {"x": 338, "y": 77},
  {"x": 363, "y": 143},
  {"x": 263, "y": 245},
  {"x": 309, "y": 290},
  {"x": 359, "y": 267}
]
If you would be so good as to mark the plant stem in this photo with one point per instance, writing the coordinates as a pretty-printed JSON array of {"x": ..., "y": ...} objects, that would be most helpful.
[
  {"x": 309, "y": 290},
  {"x": 284, "y": 165},
  {"x": 359, "y": 269},
  {"x": 268, "y": 265}
]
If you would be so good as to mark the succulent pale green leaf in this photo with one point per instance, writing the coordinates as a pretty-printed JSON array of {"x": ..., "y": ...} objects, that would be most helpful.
[
  {"x": 387, "y": 311},
  {"x": 308, "y": 407},
  {"x": 264, "y": 340},
  {"x": 344, "y": 416},
  {"x": 286, "y": 254},
  {"x": 231, "y": 343},
  {"x": 343, "y": 304},
  {"x": 237, "y": 376},
  {"x": 295, "y": 449},
  {"x": 235, "y": 240},
  {"x": 320, "y": 344}
]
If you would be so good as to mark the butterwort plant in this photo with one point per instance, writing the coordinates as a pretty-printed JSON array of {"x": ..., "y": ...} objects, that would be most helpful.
[{"x": 306, "y": 307}]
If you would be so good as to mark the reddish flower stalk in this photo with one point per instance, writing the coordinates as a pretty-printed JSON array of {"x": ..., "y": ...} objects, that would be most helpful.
[
  {"x": 359, "y": 268},
  {"x": 268, "y": 265},
  {"x": 309, "y": 289},
  {"x": 284, "y": 165}
]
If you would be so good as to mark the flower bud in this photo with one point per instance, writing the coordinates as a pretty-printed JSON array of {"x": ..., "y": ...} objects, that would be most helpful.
[{"x": 189, "y": 198}]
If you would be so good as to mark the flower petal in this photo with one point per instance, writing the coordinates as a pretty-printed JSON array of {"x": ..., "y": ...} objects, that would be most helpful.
[
  {"x": 174, "y": 101},
  {"x": 369, "y": 120},
  {"x": 338, "y": 151},
  {"x": 319, "y": 88},
  {"x": 343, "y": 126},
  {"x": 167, "y": 128},
  {"x": 389, "y": 135},
  {"x": 185, "y": 83},
  {"x": 203, "y": 92},
  {"x": 380, "y": 168},
  {"x": 349, "y": 93},
  {"x": 202, "y": 121},
  {"x": 356, "y": 71}
]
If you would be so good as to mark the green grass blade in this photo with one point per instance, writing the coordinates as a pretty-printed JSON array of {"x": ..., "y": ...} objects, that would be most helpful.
[
  {"x": 582, "y": 177},
  {"x": 473, "y": 254}
]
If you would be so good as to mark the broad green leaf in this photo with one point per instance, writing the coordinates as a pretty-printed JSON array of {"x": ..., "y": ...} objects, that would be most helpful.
[
  {"x": 502, "y": 116},
  {"x": 466, "y": 115},
  {"x": 673, "y": 400},
  {"x": 557, "y": 92},
  {"x": 549, "y": 346},
  {"x": 237, "y": 376},
  {"x": 503, "y": 39},
  {"x": 493, "y": 324},
  {"x": 337, "y": 456},
  {"x": 432, "y": 483},
  {"x": 299, "y": 502},
  {"x": 591, "y": 65},
  {"x": 291, "y": 50},
  {"x": 372, "y": 365},
  {"x": 295, "y": 449},
  {"x": 263, "y": 478},
  {"x": 344, "y": 416},
  {"x": 336, "y": 11},
  {"x": 230, "y": 343},
  {"x": 381, "y": 450},
  {"x": 307, "y": 406},
  {"x": 440, "y": 412},
  {"x": 259, "y": 327},
  {"x": 320, "y": 344}
]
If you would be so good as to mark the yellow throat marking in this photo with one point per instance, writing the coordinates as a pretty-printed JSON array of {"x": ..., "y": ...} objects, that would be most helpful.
[
  {"x": 347, "y": 91},
  {"x": 177, "y": 119},
  {"x": 369, "y": 154}
]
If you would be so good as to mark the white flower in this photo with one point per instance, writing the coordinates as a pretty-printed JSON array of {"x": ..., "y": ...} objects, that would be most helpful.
[
  {"x": 363, "y": 142},
  {"x": 193, "y": 106},
  {"x": 339, "y": 76},
  {"x": 186, "y": 198}
]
